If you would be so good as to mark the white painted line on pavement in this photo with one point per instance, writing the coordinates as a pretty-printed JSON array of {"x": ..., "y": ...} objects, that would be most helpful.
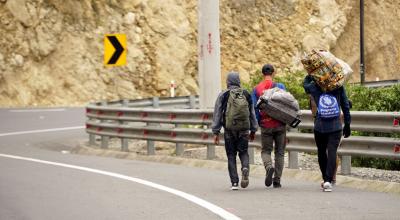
[
  {"x": 211, "y": 207},
  {"x": 38, "y": 110},
  {"x": 41, "y": 131}
]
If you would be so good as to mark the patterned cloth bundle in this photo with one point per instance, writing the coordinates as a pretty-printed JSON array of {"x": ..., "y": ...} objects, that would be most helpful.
[{"x": 328, "y": 71}]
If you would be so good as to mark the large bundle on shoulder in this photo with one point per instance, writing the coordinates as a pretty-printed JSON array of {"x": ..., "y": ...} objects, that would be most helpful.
[
  {"x": 280, "y": 105},
  {"x": 328, "y": 71}
]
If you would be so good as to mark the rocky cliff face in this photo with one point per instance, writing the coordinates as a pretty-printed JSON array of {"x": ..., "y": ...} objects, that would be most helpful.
[{"x": 51, "y": 51}]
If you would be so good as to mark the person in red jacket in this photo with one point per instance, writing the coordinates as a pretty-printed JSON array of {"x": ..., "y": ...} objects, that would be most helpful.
[{"x": 271, "y": 131}]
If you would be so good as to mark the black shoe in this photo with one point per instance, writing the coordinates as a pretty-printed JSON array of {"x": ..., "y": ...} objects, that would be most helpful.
[
  {"x": 268, "y": 176},
  {"x": 245, "y": 178},
  {"x": 277, "y": 184},
  {"x": 234, "y": 186}
]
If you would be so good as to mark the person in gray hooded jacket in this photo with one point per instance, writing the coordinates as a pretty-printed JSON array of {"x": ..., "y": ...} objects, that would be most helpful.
[{"x": 236, "y": 140}]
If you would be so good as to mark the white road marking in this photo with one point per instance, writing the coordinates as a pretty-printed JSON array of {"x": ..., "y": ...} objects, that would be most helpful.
[
  {"x": 41, "y": 131},
  {"x": 38, "y": 110},
  {"x": 207, "y": 205}
]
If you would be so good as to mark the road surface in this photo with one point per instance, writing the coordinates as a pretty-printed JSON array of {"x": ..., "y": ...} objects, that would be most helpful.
[{"x": 39, "y": 179}]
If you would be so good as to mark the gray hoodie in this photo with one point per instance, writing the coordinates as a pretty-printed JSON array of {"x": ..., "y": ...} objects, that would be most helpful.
[{"x": 232, "y": 81}]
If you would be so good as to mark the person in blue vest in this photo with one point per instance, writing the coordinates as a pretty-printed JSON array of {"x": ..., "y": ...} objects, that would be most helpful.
[
  {"x": 328, "y": 129},
  {"x": 234, "y": 112},
  {"x": 271, "y": 131}
]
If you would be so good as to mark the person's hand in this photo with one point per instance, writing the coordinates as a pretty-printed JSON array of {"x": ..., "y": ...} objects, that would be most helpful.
[
  {"x": 216, "y": 139},
  {"x": 346, "y": 130},
  {"x": 252, "y": 136}
]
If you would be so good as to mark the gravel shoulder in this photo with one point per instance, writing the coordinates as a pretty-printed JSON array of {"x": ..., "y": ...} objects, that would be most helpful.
[
  {"x": 306, "y": 161},
  {"x": 195, "y": 156}
]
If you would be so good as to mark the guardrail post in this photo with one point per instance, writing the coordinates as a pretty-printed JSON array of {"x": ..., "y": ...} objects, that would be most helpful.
[
  {"x": 346, "y": 165},
  {"x": 104, "y": 142},
  {"x": 179, "y": 146},
  {"x": 294, "y": 156},
  {"x": 104, "y": 139},
  {"x": 293, "y": 160},
  {"x": 156, "y": 102},
  {"x": 92, "y": 139},
  {"x": 192, "y": 101},
  {"x": 151, "y": 149},
  {"x": 124, "y": 141},
  {"x": 251, "y": 151},
  {"x": 210, "y": 150}
]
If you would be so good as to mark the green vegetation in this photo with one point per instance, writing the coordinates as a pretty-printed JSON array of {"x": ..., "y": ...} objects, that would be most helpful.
[{"x": 363, "y": 99}]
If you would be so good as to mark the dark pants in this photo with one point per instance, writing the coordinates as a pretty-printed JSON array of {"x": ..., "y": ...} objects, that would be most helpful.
[
  {"x": 327, "y": 144},
  {"x": 236, "y": 142}
]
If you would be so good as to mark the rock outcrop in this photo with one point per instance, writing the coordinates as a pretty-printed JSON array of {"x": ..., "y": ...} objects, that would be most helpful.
[{"x": 51, "y": 51}]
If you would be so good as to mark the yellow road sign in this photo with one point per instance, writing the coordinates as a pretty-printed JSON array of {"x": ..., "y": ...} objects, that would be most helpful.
[{"x": 115, "y": 50}]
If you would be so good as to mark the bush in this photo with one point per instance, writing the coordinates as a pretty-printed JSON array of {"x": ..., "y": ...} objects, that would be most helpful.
[
  {"x": 363, "y": 99},
  {"x": 374, "y": 99},
  {"x": 378, "y": 163}
]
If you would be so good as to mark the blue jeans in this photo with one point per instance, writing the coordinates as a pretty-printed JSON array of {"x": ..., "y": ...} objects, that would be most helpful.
[{"x": 236, "y": 142}]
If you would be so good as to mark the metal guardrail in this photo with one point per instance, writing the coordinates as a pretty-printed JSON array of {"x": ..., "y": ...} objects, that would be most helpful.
[
  {"x": 382, "y": 83},
  {"x": 131, "y": 120}
]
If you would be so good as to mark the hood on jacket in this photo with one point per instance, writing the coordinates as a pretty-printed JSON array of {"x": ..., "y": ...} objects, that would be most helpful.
[{"x": 233, "y": 80}]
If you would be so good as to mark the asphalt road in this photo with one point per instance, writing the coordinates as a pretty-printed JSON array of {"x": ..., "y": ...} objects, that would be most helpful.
[{"x": 34, "y": 188}]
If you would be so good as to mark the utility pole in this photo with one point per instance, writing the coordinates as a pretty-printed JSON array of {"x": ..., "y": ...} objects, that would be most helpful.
[
  {"x": 209, "y": 59},
  {"x": 362, "y": 60}
]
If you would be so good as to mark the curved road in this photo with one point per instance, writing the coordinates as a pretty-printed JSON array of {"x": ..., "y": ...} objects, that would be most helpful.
[{"x": 40, "y": 180}]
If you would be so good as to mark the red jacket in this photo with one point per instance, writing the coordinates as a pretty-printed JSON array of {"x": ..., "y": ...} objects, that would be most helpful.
[{"x": 263, "y": 119}]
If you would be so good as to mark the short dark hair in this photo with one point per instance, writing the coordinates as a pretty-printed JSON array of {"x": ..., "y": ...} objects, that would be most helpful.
[{"x": 267, "y": 69}]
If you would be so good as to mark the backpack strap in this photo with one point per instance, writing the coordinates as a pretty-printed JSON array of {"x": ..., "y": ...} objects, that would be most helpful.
[{"x": 224, "y": 101}]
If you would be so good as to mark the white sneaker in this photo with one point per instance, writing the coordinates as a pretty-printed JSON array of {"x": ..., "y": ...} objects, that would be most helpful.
[
  {"x": 327, "y": 187},
  {"x": 234, "y": 186}
]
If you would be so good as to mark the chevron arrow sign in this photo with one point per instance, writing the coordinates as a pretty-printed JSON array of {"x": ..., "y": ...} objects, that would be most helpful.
[{"x": 115, "y": 50}]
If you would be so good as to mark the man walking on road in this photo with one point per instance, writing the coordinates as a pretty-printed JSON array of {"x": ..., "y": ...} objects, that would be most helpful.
[
  {"x": 235, "y": 112},
  {"x": 271, "y": 131}
]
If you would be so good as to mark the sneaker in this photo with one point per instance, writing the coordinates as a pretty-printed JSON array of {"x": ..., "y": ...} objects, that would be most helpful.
[
  {"x": 333, "y": 182},
  {"x": 268, "y": 176},
  {"x": 327, "y": 187},
  {"x": 234, "y": 186},
  {"x": 245, "y": 178},
  {"x": 277, "y": 184}
]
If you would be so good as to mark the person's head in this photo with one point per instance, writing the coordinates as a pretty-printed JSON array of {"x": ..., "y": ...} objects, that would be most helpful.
[
  {"x": 233, "y": 79},
  {"x": 267, "y": 70}
]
